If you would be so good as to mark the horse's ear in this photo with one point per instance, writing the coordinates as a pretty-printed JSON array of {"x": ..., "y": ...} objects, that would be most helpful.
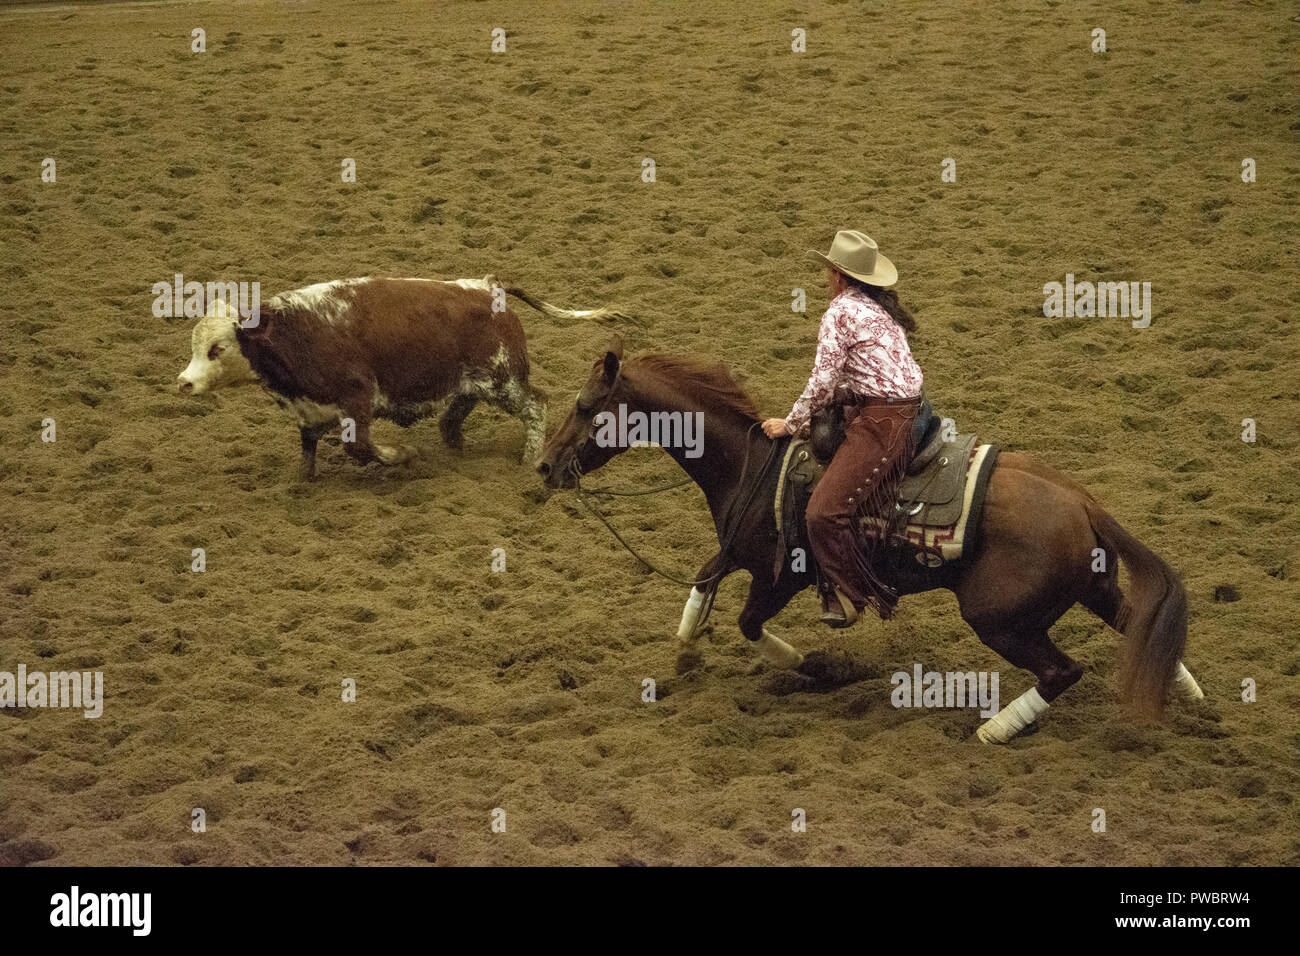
[{"x": 613, "y": 360}]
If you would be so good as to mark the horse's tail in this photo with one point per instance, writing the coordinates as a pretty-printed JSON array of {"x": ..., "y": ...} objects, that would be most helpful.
[
  {"x": 1152, "y": 618},
  {"x": 557, "y": 312}
]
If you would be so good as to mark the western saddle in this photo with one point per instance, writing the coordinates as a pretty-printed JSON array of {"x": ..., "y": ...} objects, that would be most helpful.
[{"x": 932, "y": 494}]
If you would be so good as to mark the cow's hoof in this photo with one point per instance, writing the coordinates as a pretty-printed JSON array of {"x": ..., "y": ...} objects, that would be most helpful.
[{"x": 394, "y": 454}]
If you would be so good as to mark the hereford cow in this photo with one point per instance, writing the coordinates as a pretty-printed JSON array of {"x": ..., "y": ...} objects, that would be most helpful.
[{"x": 357, "y": 349}]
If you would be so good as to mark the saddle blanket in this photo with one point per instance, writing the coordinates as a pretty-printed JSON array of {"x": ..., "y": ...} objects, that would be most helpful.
[{"x": 954, "y": 497}]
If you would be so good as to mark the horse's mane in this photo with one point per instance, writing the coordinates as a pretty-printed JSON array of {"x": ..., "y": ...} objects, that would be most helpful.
[{"x": 709, "y": 381}]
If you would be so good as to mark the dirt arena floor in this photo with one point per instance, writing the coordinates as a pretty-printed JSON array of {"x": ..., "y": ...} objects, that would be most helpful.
[{"x": 521, "y": 690}]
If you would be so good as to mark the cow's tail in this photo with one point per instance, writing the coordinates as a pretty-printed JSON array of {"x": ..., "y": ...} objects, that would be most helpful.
[
  {"x": 1152, "y": 618},
  {"x": 557, "y": 312}
]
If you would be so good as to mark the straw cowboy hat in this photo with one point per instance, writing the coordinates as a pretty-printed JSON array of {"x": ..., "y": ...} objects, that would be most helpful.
[{"x": 856, "y": 254}]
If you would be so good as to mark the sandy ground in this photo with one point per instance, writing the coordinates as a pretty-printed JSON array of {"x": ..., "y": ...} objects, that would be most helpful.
[{"x": 521, "y": 690}]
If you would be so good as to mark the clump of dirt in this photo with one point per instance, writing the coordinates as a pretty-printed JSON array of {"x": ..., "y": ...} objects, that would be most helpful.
[{"x": 830, "y": 669}]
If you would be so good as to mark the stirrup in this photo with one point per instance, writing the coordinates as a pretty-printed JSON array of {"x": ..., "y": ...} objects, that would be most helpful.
[{"x": 846, "y": 616}]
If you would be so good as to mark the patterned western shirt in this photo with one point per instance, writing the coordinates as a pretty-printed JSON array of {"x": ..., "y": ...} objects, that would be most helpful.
[{"x": 860, "y": 349}]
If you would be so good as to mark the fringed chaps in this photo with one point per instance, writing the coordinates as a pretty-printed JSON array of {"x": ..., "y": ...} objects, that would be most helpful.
[{"x": 851, "y": 509}]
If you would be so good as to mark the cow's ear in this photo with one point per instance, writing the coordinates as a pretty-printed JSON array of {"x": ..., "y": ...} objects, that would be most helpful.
[
  {"x": 613, "y": 361},
  {"x": 256, "y": 326}
]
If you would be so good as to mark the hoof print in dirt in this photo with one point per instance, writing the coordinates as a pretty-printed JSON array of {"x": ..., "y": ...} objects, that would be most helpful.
[
  {"x": 783, "y": 683},
  {"x": 827, "y": 669},
  {"x": 537, "y": 496},
  {"x": 689, "y": 661}
]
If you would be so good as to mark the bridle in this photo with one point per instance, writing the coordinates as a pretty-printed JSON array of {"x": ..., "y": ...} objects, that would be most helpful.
[{"x": 731, "y": 523}]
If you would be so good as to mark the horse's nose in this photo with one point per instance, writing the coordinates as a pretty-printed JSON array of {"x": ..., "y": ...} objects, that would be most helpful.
[
  {"x": 544, "y": 469},
  {"x": 184, "y": 387}
]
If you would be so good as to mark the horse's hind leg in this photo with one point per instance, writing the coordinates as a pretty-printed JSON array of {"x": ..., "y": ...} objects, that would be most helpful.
[
  {"x": 1034, "y": 651},
  {"x": 1106, "y": 600},
  {"x": 1186, "y": 683}
]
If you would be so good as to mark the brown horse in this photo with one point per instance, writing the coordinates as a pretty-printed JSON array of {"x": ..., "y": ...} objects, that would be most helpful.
[{"x": 1033, "y": 561}]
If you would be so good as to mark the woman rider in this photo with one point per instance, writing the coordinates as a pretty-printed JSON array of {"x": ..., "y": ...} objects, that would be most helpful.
[{"x": 863, "y": 362}]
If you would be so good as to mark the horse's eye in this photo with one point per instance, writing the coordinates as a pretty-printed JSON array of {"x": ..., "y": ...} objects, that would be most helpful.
[{"x": 213, "y": 352}]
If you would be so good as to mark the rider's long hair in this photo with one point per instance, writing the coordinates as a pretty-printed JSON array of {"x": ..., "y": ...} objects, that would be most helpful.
[{"x": 887, "y": 299}]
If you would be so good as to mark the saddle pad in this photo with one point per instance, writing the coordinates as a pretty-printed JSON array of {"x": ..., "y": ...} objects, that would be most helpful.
[
  {"x": 954, "y": 492},
  {"x": 936, "y": 545}
]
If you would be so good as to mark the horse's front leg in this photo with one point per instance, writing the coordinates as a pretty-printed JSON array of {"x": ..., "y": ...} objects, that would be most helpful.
[
  {"x": 697, "y": 605},
  {"x": 765, "y": 601}
]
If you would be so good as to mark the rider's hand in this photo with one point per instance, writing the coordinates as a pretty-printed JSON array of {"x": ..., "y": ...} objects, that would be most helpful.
[{"x": 775, "y": 428}]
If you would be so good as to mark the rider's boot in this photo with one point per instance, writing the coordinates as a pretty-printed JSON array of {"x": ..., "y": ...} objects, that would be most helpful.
[{"x": 837, "y": 610}]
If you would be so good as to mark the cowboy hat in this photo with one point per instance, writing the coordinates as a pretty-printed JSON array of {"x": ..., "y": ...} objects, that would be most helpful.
[{"x": 856, "y": 254}]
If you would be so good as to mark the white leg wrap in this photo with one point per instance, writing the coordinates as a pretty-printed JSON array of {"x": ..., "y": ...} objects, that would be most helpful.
[
  {"x": 1013, "y": 718},
  {"x": 777, "y": 652},
  {"x": 1186, "y": 683},
  {"x": 691, "y": 614}
]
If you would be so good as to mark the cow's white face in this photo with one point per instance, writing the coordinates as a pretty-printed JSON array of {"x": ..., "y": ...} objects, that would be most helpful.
[{"x": 216, "y": 360}]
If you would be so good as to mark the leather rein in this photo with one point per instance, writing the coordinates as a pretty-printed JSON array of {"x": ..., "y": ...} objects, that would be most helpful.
[{"x": 731, "y": 522}]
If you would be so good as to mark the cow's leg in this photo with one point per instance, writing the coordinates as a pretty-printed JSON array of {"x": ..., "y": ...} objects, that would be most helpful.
[
  {"x": 359, "y": 405},
  {"x": 355, "y": 421},
  {"x": 454, "y": 417},
  {"x": 356, "y": 410},
  {"x": 394, "y": 454},
  {"x": 528, "y": 404},
  {"x": 533, "y": 415},
  {"x": 310, "y": 436}
]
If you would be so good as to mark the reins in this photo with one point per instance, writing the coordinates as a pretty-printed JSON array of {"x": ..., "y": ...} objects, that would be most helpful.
[
  {"x": 644, "y": 491},
  {"x": 731, "y": 523},
  {"x": 582, "y": 499}
]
